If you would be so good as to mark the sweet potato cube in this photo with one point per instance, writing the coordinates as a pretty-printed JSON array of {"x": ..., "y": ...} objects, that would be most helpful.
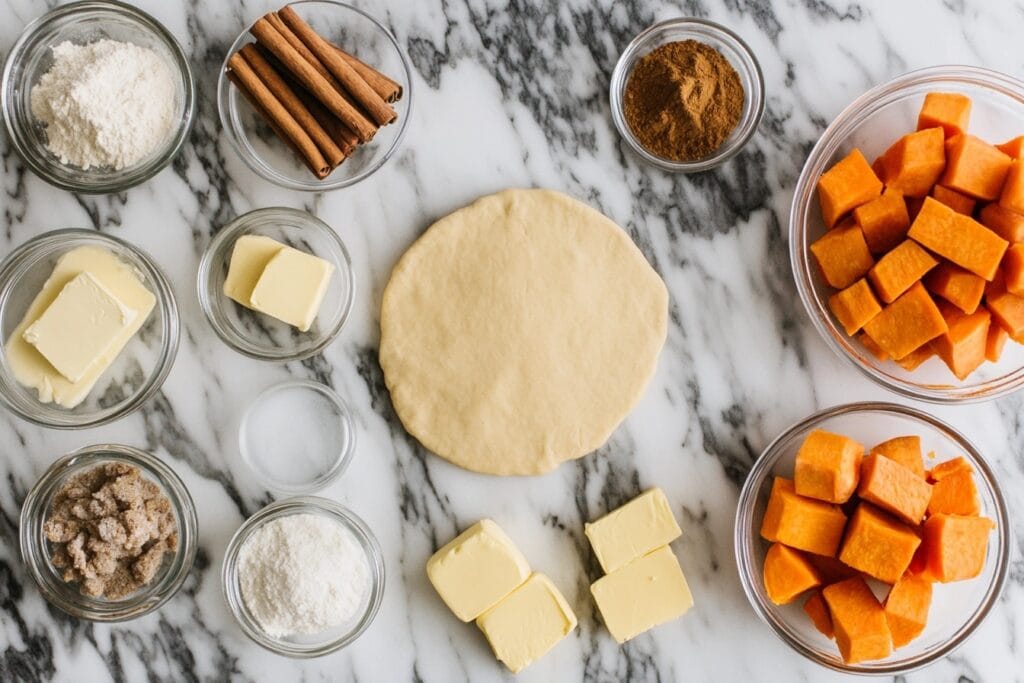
[
  {"x": 1002, "y": 221},
  {"x": 874, "y": 349},
  {"x": 845, "y": 186},
  {"x": 802, "y": 523},
  {"x": 854, "y": 306},
  {"x": 949, "y": 467},
  {"x": 827, "y": 467},
  {"x": 907, "y": 323},
  {"x": 906, "y": 608},
  {"x": 1007, "y": 309},
  {"x": 914, "y": 162},
  {"x": 956, "y": 546},
  {"x": 894, "y": 488},
  {"x": 843, "y": 256},
  {"x": 997, "y": 337},
  {"x": 817, "y": 610},
  {"x": 878, "y": 545},
  {"x": 1013, "y": 269},
  {"x": 959, "y": 238},
  {"x": 974, "y": 167},
  {"x": 861, "y": 630},
  {"x": 787, "y": 574},
  {"x": 1013, "y": 148},
  {"x": 951, "y": 111},
  {"x": 955, "y": 495},
  {"x": 906, "y": 450},
  {"x": 962, "y": 346},
  {"x": 1012, "y": 195},
  {"x": 916, "y": 358},
  {"x": 884, "y": 221},
  {"x": 959, "y": 287},
  {"x": 960, "y": 203},
  {"x": 895, "y": 272}
]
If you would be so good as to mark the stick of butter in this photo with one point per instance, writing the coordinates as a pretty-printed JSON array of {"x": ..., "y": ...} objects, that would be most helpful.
[
  {"x": 292, "y": 287},
  {"x": 633, "y": 530}
]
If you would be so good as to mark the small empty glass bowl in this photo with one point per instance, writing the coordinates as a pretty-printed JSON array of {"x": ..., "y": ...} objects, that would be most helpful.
[
  {"x": 258, "y": 335},
  {"x": 957, "y": 608},
  {"x": 36, "y": 552},
  {"x": 81, "y": 23},
  {"x": 732, "y": 48},
  {"x": 139, "y": 370},
  {"x": 316, "y": 645},
  {"x": 259, "y": 147}
]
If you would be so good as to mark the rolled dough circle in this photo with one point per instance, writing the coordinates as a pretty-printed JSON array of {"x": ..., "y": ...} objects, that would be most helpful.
[{"x": 519, "y": 331}]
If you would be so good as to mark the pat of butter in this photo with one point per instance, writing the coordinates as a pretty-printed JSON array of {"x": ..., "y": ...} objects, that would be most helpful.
[
  {"x": 79, "y": 327},
  {"x": 476, "y": 569},
  {"x": 646, "y": 592},
  {"x": 633, "y": 530},
  {"x": 249, "y": 257},
  {"x": 292, "y": 287},
  {"x": 524, "y": 626}
]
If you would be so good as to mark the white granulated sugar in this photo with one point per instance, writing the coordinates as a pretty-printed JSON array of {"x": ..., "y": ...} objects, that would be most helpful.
[
  {"x": 302, "y": 574},
  {"x": 107, "y": 103}
]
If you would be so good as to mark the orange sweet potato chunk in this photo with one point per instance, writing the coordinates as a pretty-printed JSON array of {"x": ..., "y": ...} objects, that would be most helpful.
[
  {"x": 817, "y": 610},
  {"x": 787, "y": 574},
  {"x": 1013, "y": 148},
  {"x": 854, "y": 306},
  {"x": 956, "y": 546},
  {"x": 907, "y": 323},
  {"x": 874, "y": 349},
  {"x": 827, "y": 467},
  {"x": 906, "y": 450},
  {"x": 861, "y": 630},
  {"x": 842, "y": 254},
  {"x": 845, "y": 186},
  {"x": 974, "y": 167},
  {"x": 802, "y": 523},
  {"x": 997, "y": 338},
  {"x": 913, "y": 360},
  {"x": 906, "y": 608},
  {"x": 959, "y": 238},
  {"x": 951, "y": 111},
  {"x": 949, "y": 467},
  {"x": 894, "y": 488},
  {"x": 1013, "y": 269},
  {"x": 878, "y": 545},
  {"x": 914, "y": 162},
  {"x": 962, "y": 346},
  {"x": 1002, "y": 221},
  {"x": 884, "y": 220},
  {"x": 1012, "y": 195},
  {"x": 1007, "y": 309},
  {"x": 960, "y": 203},
  {"x": 895, "y": 272},
  {"x": 955, "y": 495},
  {"x": 959, "y": 287}
]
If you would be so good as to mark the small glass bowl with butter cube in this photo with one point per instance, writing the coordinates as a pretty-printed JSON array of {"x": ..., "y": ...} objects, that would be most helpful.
[
  {"x": 90, "y": 329},
  {"x": 276, "y": 284}
]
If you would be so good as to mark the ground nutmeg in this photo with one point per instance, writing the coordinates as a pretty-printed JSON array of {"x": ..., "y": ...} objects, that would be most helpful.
[{"x": 683, "y": 100}]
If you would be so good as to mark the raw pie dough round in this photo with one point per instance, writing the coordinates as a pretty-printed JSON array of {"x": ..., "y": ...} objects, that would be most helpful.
[{"x": 519, "y": 331}]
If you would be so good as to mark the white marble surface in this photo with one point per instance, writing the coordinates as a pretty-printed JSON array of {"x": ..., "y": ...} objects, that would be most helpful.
[{"x": 510, "y": 94}]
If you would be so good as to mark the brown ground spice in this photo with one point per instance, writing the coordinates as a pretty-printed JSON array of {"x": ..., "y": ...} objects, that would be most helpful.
[{"x": 683, "y": 100}]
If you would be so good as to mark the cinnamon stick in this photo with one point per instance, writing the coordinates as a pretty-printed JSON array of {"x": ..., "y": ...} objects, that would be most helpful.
[
  {"x": 379, "y": 110},
  {"x": 388, "y": 88},
  {"x": 306, "y": 74},
  {"x": 283, "y": 122}
]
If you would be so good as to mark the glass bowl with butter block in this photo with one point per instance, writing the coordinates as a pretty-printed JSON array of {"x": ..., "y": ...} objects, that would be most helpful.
[
  {"x": 956, "y": 609},
  {"x": 276, "y": 284},
  {"x": 90, "y": 329}
]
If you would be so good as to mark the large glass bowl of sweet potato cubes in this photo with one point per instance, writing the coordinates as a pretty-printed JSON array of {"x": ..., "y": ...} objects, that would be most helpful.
[
  {"x": 907, "y": 234},
  {"x": 872, "y": 538}
]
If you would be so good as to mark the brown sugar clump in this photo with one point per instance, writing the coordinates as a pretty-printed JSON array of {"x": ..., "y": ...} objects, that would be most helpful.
[
  {"x": 110, "y": 528},
  {"x": 683, "y": 100}
]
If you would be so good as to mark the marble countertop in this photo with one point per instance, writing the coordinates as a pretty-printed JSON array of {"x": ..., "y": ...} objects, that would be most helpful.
[{"x": 509, "y": 94}]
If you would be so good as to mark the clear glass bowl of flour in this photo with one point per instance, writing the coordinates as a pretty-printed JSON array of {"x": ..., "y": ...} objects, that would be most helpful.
[
  {"x": 82, "y": 23},
  {"x": 315, "y": 644}
]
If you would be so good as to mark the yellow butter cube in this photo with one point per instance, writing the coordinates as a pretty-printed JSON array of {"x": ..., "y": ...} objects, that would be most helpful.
[
  {"x": 292, "y": 287},
  {"x": 633, "y": 530}
]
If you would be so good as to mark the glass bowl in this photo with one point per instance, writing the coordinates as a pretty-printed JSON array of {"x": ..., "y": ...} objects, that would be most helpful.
[
  {"x": 732, "y": 48},
  {"x": 957, "y": 609},
  {"x": 35, "y": 549},
  {"x": 263, "y": 152},
  {"x": 260, "y": 336},
  {"x": 30, "y": 57},
  {"x": 139, "y": 370},
  {"x": 305, "y": 647},
  {"x": 872, "y": 122}
]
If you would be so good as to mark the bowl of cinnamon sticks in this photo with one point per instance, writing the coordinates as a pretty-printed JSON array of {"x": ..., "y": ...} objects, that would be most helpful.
[{"x": 315, "y": 96}]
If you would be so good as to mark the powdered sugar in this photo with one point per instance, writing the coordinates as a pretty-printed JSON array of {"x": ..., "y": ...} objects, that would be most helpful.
[{"x": 107, "y": 103}]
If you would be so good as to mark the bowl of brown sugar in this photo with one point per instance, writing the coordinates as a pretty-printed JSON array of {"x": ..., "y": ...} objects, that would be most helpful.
[{"x": 687, "y": 94}]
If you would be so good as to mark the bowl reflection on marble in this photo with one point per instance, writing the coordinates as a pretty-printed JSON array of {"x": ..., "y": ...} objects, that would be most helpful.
[
  {"x": 957, "y": 608},
  {"x": 871, "y": 123}
]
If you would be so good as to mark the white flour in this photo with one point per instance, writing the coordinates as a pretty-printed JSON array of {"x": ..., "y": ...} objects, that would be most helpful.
[
  {"x": 107, "y": 103},
  {"x": 302, "y": 574}
]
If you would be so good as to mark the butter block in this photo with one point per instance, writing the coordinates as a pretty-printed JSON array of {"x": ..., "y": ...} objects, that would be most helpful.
[
  {"x": 249, "y": 257},
  {"x": 478, "y": 568},
  {"x": 524, "y": 626},
  {"x": 645, "y": 593},
  {"x": 79, "y": 327},
  {"x": 292, "y": 287},
  {"x": 633, "y": 530}
]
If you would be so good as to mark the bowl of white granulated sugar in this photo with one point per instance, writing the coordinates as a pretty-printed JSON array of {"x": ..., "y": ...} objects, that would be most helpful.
[
  {"x": 97, "y": 96},
  {"x": 303, "y": 576}
]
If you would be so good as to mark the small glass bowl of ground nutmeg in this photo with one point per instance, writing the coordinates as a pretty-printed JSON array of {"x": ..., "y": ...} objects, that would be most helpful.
[
  {"x": 108, "y": 533},
  {"x": 687, "y": 94}
]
